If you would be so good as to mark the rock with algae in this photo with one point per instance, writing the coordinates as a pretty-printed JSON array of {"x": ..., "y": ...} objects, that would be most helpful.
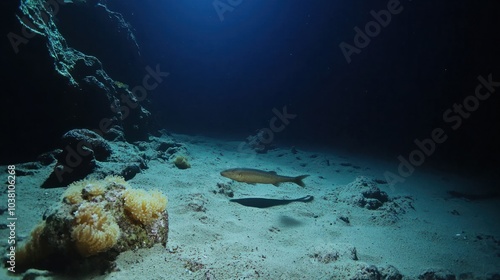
[
  {"x": 85, "y": 72},
  {"x": 93, "y": 223},
  {"x": 181, "y": 162}
]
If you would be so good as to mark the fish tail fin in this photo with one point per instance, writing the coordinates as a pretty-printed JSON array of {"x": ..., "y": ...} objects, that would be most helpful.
[{"x": 298, "y": 180}]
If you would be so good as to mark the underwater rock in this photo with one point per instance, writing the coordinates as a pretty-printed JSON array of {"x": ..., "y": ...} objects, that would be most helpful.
[
  {"x": 81, "y": 148},
  {"x": 345, "y": 219},
  {"x": 224, "y": 189},
  {"x": 84, "y": 139},
  {"x": 87, "y": 80},
  {"x": 95, "y": 221},
  {"x": 130, "y": 170},
  {"x": 126, "y": 160},
  {"x": 115, "y": 133},
  {"x": 384, "y": 210},
  {"x": 431, "y": 274},
  {"x": 109, "y": 157},
  {"x": 363, "y": 192},
  {"x": 160, "y": 148},
  {"x": 85, "y": 152},
  {"x": 374, "y": 198},
  {"x": 372, "y": 272},
  {"x": 181, "y": 162},
  {"x": 367, "y": 272},
  {"x": 358, "y": 270},
  {"x": 390, "y": 273}
]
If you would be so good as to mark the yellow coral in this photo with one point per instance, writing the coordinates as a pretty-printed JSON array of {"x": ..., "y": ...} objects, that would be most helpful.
[
  {"x": 95, "y": 231},
  {"x": 144, "y": 207},
  {"x": 73, "y": 194},
  {"x": 34, "y": 250},
  {"x": 94, "y": 189},
  {"x": 116, "y": 179},
  {"x": 90, "y": 188}
]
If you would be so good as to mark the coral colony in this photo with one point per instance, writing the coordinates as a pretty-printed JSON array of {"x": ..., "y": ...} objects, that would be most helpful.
[{"x": 94, "y": 222}]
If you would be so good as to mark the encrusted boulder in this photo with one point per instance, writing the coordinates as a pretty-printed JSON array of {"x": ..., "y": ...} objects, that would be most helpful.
[
  {"x": 95, "y": 221},
  {"x": 86, "y": 141}
]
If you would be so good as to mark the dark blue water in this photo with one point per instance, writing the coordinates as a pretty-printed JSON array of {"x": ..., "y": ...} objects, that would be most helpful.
[
  {"x": 227, "y": 76},
  {"x": 230, "y": 63}
]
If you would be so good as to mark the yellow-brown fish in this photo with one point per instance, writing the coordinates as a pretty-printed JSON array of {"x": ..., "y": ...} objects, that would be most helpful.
[{"x": 253, "y": 176}]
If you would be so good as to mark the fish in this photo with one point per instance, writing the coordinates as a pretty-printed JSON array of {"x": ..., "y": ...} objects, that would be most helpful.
[{"x": 254, "y": 176}]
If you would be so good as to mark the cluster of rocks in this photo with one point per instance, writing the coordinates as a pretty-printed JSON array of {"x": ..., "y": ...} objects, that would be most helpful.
[
  {"x": 83, "y": 152},
  {"x": 85, "y": 92},
  {"x": 224, "y": 189},
  {"x": 364, "y": 192},
  {"x": 344, "y": 257}
]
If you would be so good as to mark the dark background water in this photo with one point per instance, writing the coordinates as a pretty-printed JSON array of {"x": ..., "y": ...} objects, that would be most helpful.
[{"x": 226, "y": 77}]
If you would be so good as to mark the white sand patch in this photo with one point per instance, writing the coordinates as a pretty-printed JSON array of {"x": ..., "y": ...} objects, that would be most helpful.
[{"x": 211, "y": 237}]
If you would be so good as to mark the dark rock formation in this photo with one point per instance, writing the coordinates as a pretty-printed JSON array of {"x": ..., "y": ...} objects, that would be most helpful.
[
  {"x": 68, "y": 84},
  {"x": 84, "y": 152}
]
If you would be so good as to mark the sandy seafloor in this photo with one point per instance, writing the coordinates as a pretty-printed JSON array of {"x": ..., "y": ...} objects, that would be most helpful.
[{"x": 421, "y": 229}]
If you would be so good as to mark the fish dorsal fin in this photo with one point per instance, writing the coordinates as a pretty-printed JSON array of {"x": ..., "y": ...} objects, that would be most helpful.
[{"x": 272, "y": 172}]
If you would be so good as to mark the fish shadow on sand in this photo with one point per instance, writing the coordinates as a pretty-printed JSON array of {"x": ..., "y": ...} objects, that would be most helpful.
[{"x": 259, "y": 202}]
